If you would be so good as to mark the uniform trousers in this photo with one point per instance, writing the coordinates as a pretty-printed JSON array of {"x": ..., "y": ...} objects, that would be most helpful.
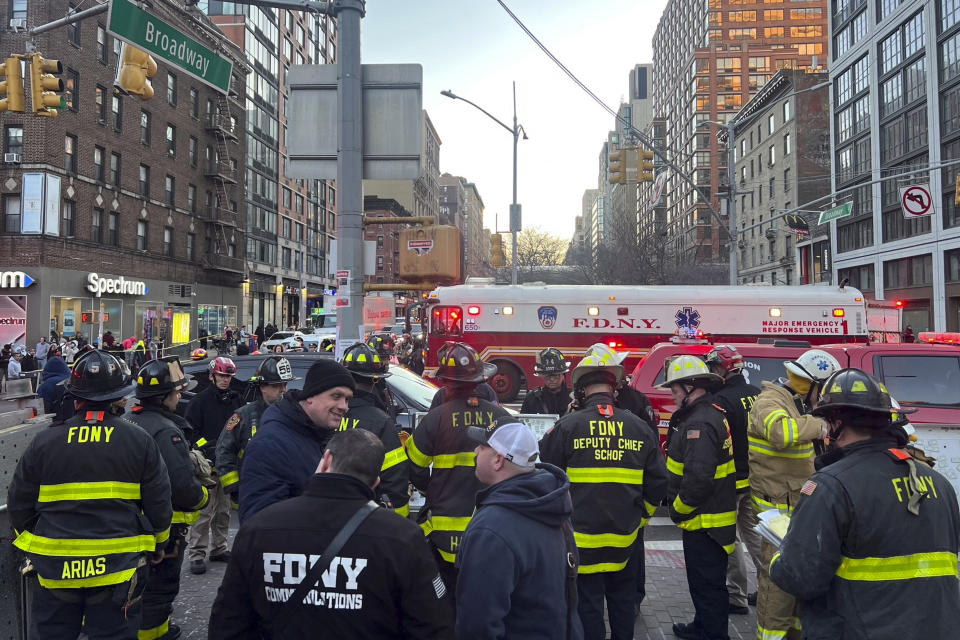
[
  {"x": 618, "y": 588},
  {"x": 639, "y": 563},
  {"x": 737, "y": 580},
  {"x": 212, "y": 526},
  {"x": 706, "y": 564},
  {"x": 61, "y": 614},
  {"x": 163, "y": 587},
  {"x": 776, "y": 609},
  {"x": 448, "y": 573}
]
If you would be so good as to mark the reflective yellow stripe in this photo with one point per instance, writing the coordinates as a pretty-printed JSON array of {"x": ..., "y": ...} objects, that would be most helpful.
[
  {"x": 772, "y": 417},
  {"x": 644, "y": 522},
  {"x": 730, "y": 548},
  {"x": 447, "y": 523},
  {"x": 743, "y": 484},
  {"x": 770, "y": 634},
  {"x": 601, "y": 567},
  {"x": 201, "y": 442},
  {"x": 710, "y": 521},
  {"x": 229, "y": 478},
  {"x": 765, "y": 448},
  {"x": 203, "y": 500},
  {"x": 393, "y": 458},
  {"x": 415, "y": 456},
  {"x": 89, "y": 491},
  {"x": 651, "y": 508},
  {"x": 918, "y": 565},
  {"x": 98, "y": 581},
  {"x": 427, "y": 527},
  {"x": 65, "y": 547},
  {"x": 674, "y": 467},
  {"x": 598, "y": 540},
  {"x": 775, "y": 557},
  {"x": 404, "y": 510},
  {"x": 764, "y": 505},
  {"x": 680, "y": 507},
  {"x": 185, "y": 517},
  {"x": 725, "y": 469},
  {"x": 446, "y": 555},
  {"x": 154, "y": 633},
  {"x": 163, "y": 536},
  {"x": 592, "y": 475},
  {"x": 451, "y": 460}
]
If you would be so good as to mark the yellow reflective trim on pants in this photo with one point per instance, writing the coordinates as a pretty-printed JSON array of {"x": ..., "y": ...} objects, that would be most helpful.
[
  {"x": 593, "y": 475},
  {"x": 730, "y": 548},
  {"x": 772, "y": 560},
  {"x": 644, "y": 522},
  {"x": 765, "y": 505},
  {"x": 674, "y": 467},
  {"x": 78, "y": 547},
  {"x": 451, "y": 460},
  {"x": 725, "y": 469},
  {"x": 917, "y": 565},
  {"x": 770, "y": 634},
  {"x": 765, "y": 448},
  {"x": 446, "y": 555},
  {"x": 163, "y": 536},
  {"x": 79, "y": 583},
  {"x": 393, "y": 458},
  {"x": 651, "y": 508},
  {"x": 201, "y": 442},
  {"x": 681, "y": 507},
  {"x": 448, "y": 523},
  {"x": 743, "y": 484},
  {"x": 598, "y": 540},
  {"x": 426, "y": 527},
  {"x": 89, "y": 491},
  {"x": 709, "y": 521},
  {"x": 203, "y": 501},
  {"x": 403, "y": 511},
  {"x": 601, "y": 567},
  {"x": 155, "y": 632},
  {"x": 415, "y": 456},
  {"x": 229, "y": 478},
  {"x": 185, "y": 517}
]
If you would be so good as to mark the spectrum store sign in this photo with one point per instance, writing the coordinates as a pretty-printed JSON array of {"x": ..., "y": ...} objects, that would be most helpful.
[{"x": 98, "y": 285}]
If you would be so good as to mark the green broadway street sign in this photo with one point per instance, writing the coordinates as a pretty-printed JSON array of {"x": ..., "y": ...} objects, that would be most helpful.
[
  {"x": 837, "y": 212},
  {"x": 135, "y": 26}
]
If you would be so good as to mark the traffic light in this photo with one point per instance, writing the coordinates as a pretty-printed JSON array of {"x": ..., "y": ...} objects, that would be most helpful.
[
  {"x": 644, "y": 166},
  {"x": 618, "y": 167},
  {"x": 44, "y": 86},
  {"x": 11, "y": 89},
  {"x": 136, "y": 68},
  {"x": 496, "y": 250}
]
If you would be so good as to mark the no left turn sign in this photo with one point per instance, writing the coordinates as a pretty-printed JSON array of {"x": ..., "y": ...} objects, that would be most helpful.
[{"x": 916, "y": 201}]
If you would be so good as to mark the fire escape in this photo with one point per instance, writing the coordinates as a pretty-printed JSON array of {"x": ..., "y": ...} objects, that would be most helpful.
[{"x": 224, "y": 253}]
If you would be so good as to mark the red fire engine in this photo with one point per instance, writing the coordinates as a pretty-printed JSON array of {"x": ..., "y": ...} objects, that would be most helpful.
[{"x": 508, "y": 325}]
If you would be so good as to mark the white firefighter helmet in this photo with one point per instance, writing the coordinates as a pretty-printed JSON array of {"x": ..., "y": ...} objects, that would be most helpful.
[
  {"x": 687, "y": 368},
  {"x": 813, "y": 365},
  {"x": 606, "y": 353},
  {"x": 593, "y": 363}
]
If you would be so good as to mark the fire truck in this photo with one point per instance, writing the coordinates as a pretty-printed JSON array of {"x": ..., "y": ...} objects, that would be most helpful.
[{"x": 509, "y": 325}]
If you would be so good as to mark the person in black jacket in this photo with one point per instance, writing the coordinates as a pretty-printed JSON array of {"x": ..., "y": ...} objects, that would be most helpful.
[
  {"x": 159, "y": 383},
  {"x": 554, "y": 396},
  {"x": 518, "y": 558},
  {"x": 736, "y": 398},
  {"x": 207, "y": 413},
  {"x": 382, "y": 584},
  {"x": 367, "y": 411},
  {"x": 90, "y": 499}
]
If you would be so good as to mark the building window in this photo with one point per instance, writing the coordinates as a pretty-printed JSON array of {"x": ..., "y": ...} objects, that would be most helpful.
[
  {"x": 194, "y": 103},
  {"x": 71, "y": 89},
  {"x": 287, "y": 196},
  {"x": 191, "y": 242},
  {"x": 116, "y": 107},
  {"x": 102, "y": 50},
  {"x": 379, "y": 263},
  {"x": 96, "y": 226},
  {"x": 192, "y": 198},
  {"x": 68, "y": 218},
  {"x": 171, "y": 89},
  {"x": 286, "y": 258},
  {"x": 145, "y": 127},
  {"x": 916, "y": 271},
  {"x": 142, "y": 235},
  {"x": 380, "y": 242},
  {"x": 18, "y": 9},
  {"x": 170, "y": 189},
  {"x": 115, "y": 169},
  {"x": 100, "y": 98},
  {"x": 70, "y": 154},
  {"x": 11, "y": 213},
  {"x": 73, "y": 30},
  {"x": 786, "y": 180},
  {"x": 786, "y": 111},
  {"x": 192, "y": 151},
  {"x": 99, "y": 158},
  {"x": 786, "y": 145},
  {"x": 144, "y": 181},
  {"x": 299, "y": 204},
  {"x": 14, "y": 140},
  {"x": 171, "y": 140},
  {"x": 113, "y": 229},
  {"x": 772, "y": 123},
  {"x": 772, "y": 155},
  {"x": 168, "y": 241}
]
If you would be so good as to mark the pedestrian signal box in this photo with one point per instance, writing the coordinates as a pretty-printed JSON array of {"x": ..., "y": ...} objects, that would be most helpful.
[
  {"x": 430, "y": 254},
  {"x": 87, "y": 317}
]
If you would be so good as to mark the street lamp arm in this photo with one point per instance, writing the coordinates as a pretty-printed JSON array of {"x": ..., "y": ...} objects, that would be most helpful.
[{"x": 453, "y": 96}]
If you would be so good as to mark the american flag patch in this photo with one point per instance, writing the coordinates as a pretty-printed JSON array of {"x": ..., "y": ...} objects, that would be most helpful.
[
  {"x": 693, "y": 434},
  {"x": 808, "y": 488},
  {"x": 439, "y": 587}
]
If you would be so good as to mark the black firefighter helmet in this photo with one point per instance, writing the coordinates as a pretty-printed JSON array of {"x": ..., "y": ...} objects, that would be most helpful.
[
  {"x": 853, "y": 389},
  {"x": 363, "y": 361},
  {"x": 382, "y": 343},
  {"x": 460, "y": 363},
  {"x": 550, "y": 362},
  {"x": 99, "y": 376},
  {"x": 160, "y": 377},
  {"x": 274, "y": 370}
]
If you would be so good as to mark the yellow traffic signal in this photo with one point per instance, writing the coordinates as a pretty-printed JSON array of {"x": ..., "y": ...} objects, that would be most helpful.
[
  {"x": 618, "y": 167},
  {"x": 496, "y": 250},
  {"x": 137, "y": 66},
  {"x": 11, "y": 89},
  {"x": 644, "y": 166},
  {"x": 44, "y": 87}
]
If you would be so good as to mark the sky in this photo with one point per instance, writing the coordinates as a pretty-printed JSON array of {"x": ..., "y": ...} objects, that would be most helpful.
[{"x": 475, "y": 49}]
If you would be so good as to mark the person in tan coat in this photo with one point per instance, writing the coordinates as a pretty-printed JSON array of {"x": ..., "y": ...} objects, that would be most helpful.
[{"x": 781, "y": 434}]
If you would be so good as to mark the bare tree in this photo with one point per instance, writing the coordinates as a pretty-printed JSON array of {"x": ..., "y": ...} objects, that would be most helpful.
[{"x": 536, "y": 250}]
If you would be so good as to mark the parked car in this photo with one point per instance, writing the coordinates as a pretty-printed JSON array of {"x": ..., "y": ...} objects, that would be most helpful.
[{"x": 286, "y": 338}]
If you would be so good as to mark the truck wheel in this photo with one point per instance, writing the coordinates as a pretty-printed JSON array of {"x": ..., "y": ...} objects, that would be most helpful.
[{"x": 506, "y": 382}]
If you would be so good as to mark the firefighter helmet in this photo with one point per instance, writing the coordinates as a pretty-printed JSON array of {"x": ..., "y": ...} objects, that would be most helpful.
[
  {"x": 688, "y": 369},
  {"x": 363, "y": 360},
  {"x": 815, "y": 365},
  {"x": 382, "y": 343},
  {"x": 853, "y": 389},
  {"x": 459, "y": 362},
  {"x": 607, "y": 371},
  {"x": 606, "y": 353},
  {"x": 198, "y": 354},
  {"x": 160, "y": 377},
  {"x": 550, "y": 362},
  {"x": 223, "y": 366},
  {"x": 274, "y": 370},
  {"x": 726, "y": 357},
  {"x": 99, "y": 376}
]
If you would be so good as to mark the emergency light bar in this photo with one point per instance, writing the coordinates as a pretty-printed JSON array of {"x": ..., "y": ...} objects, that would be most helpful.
[{"x": 939, "y": 337}]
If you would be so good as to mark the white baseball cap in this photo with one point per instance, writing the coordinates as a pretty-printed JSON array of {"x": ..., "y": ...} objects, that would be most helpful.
[{"x": 510, "y": 438}]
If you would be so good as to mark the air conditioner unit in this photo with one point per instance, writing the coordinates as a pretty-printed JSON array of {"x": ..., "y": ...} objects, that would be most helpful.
[
  {"x": 18, "y": 24},
  {"x": 12, "y": 158}
]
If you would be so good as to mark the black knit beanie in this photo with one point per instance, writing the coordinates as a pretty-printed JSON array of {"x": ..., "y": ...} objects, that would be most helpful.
[{"x": 326, "y": 374}]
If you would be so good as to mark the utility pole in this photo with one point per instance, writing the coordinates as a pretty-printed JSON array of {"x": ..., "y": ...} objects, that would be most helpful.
[
  {"x": 732, "y": 202},
  {"x": 514, "y": 207}
]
